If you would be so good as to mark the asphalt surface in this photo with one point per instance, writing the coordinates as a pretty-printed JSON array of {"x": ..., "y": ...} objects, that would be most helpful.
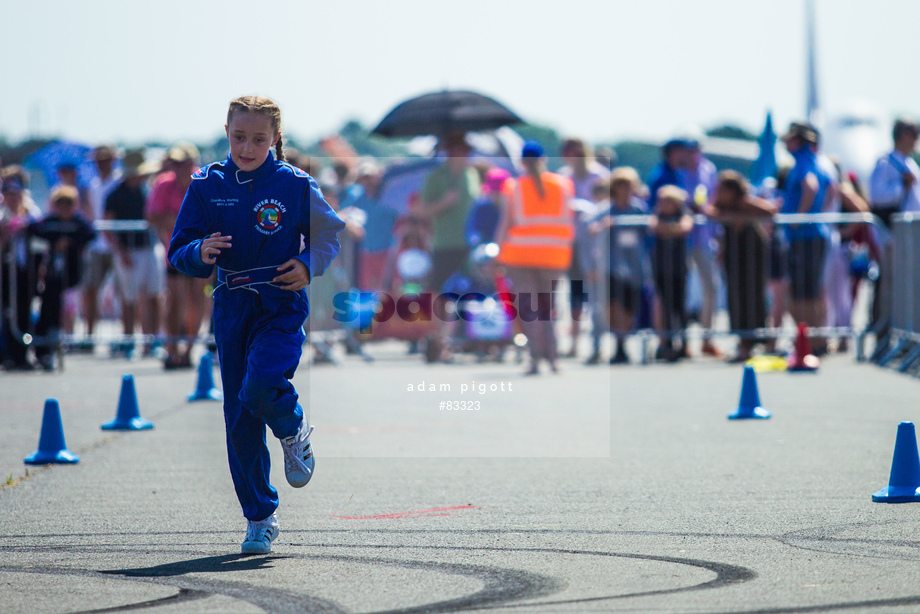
[{"x": 596, "y": 489}]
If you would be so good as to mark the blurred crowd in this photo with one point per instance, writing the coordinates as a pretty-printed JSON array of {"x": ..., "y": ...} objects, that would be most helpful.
[
  {"x": 109, "y": 233},
  {"x": 493, "y": 241}
]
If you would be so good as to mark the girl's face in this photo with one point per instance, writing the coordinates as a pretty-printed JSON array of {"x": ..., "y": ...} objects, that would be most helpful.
[{"x": 251, "y": 137}]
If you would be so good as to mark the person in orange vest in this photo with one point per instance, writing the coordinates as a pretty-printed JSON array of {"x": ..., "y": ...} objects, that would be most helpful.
[{"x": 535, "y": 234}]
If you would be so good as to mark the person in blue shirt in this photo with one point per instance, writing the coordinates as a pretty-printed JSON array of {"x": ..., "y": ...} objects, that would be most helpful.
[
  {"x": 249, "y": 215},
  {"x": 378, "y": 238},
  {"x": 675, "y": 155},
  {"x": 809, "y": 188},
  {"x": 699, "y": 179}
]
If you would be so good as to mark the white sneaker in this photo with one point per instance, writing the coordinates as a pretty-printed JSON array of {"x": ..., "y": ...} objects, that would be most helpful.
[
  {"x": 298, "y": 457},
  {"x": 260, "y": 535}
]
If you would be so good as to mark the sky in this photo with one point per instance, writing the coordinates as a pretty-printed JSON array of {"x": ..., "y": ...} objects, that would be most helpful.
[{"x": 605, "y": 70}]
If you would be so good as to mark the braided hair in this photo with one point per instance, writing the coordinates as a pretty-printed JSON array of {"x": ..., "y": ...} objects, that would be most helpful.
[{"x": 266, "y": 107}]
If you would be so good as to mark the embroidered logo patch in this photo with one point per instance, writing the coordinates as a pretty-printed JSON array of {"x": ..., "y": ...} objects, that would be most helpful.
[{"x": 268, "y": 216}]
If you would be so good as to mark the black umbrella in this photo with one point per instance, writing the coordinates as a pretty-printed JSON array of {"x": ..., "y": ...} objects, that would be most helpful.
[{"x": 441, "y": 113}]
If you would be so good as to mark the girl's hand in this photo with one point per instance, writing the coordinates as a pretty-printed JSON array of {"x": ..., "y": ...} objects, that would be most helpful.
[
  {"x": 296, "y": 276},
  {"x": 211, "y": 246}
]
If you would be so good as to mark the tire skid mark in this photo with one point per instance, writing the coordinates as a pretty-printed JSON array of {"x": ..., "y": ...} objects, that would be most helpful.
[
  {"x": 275, "y": 601},
  {"x": 182, "y": 596},
  {"x": 823, "y": 539},
  {"x": 502, "y": 587},
  {"x": 725, "y": 574}
]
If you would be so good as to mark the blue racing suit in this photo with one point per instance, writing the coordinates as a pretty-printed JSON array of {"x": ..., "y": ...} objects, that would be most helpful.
[{"x": 258, "y": 327}]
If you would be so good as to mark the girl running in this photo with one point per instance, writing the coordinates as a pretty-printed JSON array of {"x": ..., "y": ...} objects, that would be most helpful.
[{"x": 249, "y": 215}]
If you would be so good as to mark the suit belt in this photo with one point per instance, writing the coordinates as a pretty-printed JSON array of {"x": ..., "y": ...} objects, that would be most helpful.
[{"x": 247, "y": 278}]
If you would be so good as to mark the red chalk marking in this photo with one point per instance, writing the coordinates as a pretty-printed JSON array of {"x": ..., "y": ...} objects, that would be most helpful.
[{"x": 416, "y": 514}]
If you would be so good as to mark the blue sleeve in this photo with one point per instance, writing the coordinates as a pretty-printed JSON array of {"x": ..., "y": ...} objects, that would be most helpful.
[
  {"x": 319, "y": 225},
  {"x": 471, "y": 227},
  {"x": 654, "y": 181},
  {"x": 353, "y": 194},
  {"x": 192, "y": 226}
]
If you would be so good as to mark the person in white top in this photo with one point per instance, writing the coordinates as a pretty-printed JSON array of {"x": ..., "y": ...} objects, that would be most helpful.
[
  {"x": 97, "y": 260},
  {"x": 894, "y": 186},
  {"x": 585, "y": 173},
  {"x": 895, "y": 182}
]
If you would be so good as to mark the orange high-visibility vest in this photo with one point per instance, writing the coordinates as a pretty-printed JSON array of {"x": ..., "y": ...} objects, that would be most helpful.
[{"x": 542, "y": 229}]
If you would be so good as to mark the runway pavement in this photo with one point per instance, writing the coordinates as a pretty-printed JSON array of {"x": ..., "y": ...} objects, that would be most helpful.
[{"x": 593, "y": 490}]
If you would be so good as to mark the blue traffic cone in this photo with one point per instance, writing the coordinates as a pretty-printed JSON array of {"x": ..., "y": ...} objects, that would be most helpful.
[
  {"x": 205, "y": 389},
  {"x": 51, "y": 446},
  {"x": 749, "y": 405},
  {"x": 128, "y": 417},
  {"x": 904, "y": 481}
]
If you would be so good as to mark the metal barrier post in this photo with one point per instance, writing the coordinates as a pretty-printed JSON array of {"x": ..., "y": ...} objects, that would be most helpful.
[{"x": 905, "y": 321}]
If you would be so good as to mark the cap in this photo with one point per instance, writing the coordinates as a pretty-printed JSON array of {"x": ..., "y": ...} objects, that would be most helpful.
[
  {"x": 532, "y": 149},
  {"x": 802, "y": 130},
  {"x": 64, "y": 193},
  {"x": 177, "y": 155},
  {"x": 150, "y": 167},
  {"x": 625, "y": 174},
  {"x": 132, "y": 162},
  {"x": 182, "y": 152},
  {"x": 495, "y": 178},
  {"x": 673, "y": 193},
  {"x": 676, "y": 143}
]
